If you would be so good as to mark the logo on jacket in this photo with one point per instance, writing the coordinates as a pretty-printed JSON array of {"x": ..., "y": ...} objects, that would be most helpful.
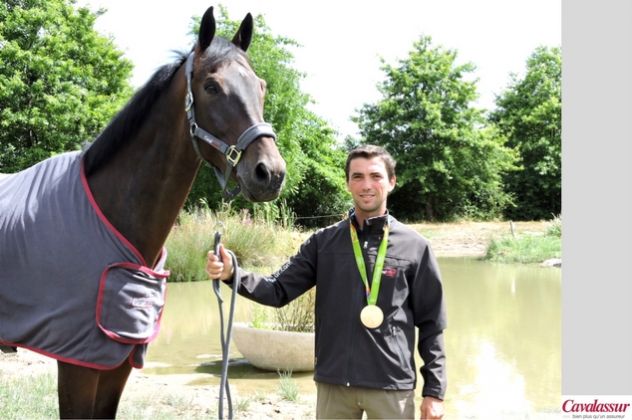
[{"x": 389, "y": 272}]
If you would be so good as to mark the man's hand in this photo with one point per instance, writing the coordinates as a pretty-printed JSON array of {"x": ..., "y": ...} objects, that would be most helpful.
[
  {"x": 431, "y": 408},
  {"x": 217, "y": 269}
]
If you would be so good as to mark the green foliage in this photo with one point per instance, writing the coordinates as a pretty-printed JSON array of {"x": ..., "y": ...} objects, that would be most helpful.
[
  {"x": 60, "y": 81},
  {"x": 242, "y": 405},
  {"x": 450, "y": 164},
  {"x": 529, "y": 114},
  {"x": 524, "y": 249},
  {"x": 306, "y": 142},
  {"x": 260, "y": 317},
  {"x": 258, "y": 243},
  {"x": 528, "y": 248},
  {"x": 28, "y": 396},
  {"x": 321, "y": 196},
  {"x": 189, "y": 241},
  {"x": 555, "y": 229},
  {"x": 288, "y": 389}
]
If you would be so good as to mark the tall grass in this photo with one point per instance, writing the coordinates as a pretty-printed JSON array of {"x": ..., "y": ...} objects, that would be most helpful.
[
  {"x": 261, "y": 241},
  {"x": 528, "y": 248},
  {"x": 524, "y": 249},
  {"x": 555, "y": 227}
]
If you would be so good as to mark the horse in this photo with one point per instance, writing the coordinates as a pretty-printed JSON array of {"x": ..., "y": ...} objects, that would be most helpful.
[{"x": 133, "y": 180}]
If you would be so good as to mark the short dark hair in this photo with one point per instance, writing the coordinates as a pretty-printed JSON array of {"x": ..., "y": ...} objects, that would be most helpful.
[{"x": 369, "y": 151}]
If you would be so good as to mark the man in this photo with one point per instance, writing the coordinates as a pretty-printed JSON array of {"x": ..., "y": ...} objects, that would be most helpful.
[{"x": 364, "y": 322}]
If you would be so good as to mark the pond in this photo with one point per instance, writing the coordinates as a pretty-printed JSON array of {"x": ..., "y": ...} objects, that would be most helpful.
[{"x": 503, "y": 339}]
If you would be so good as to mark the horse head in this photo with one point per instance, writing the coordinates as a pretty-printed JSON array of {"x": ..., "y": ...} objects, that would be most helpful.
[{"x": 225, "y": 111}]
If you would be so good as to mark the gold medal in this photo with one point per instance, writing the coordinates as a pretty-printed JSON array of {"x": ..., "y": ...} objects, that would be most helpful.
[{"x": 371, "y": 316}]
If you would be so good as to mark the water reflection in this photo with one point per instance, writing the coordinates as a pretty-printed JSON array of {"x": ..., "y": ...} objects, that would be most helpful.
[{"x": 503, "y": 339}]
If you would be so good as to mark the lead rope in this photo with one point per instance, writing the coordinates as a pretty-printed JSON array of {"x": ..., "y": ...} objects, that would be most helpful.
[{"x": 224, "y": 338}]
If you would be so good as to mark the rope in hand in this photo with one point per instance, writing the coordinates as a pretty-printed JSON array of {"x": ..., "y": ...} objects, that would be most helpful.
[{"x": 225, "y": 336}]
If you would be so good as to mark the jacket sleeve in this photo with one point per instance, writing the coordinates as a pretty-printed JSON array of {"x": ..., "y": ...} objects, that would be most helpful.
[
  {"x": 430, "y": 317},
  {"x": 295, "y": 277}
]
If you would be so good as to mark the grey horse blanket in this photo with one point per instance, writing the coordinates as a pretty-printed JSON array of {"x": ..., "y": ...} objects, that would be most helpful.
[{"x": 71, "y": 286}]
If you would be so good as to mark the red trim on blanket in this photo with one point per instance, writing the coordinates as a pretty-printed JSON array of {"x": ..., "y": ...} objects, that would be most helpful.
[
  {"x": 105, "y": 220},
  {"x": 75, "y": 361}
]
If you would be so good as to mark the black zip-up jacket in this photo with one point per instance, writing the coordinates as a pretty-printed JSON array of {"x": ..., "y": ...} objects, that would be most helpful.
[{"x": 411, "y": 295}]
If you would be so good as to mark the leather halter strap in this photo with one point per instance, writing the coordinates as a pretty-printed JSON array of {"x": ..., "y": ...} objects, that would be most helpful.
[{"x": 232, "y": 153}]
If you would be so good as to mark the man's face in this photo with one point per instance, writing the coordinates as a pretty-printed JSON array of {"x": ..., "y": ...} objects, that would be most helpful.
[{"x": 369, "y": 186}]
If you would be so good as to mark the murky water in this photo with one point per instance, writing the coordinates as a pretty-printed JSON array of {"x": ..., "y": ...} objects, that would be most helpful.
[{"x": 503, "y": 339}]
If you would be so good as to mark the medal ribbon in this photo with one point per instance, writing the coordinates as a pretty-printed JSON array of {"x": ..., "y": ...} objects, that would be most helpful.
[{"x": 373, "y": 290}]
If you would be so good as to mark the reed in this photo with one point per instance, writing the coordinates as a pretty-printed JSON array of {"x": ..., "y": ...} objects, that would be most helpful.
[{"x": 262, "y": 240}]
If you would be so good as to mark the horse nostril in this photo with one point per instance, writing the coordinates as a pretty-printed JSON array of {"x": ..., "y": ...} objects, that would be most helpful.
[{"x": 262, "y": 173}]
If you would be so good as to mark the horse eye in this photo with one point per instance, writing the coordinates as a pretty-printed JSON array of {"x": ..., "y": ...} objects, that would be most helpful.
[{"x": 212, "y": 87}]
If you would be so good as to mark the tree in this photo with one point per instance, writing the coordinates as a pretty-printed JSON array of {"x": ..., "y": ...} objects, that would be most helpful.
[
  {"x": 449, "y": 163},
  {"x": 529, "y": 114},
  {"x": 321, "y": 197},
  {"x": 60, "y": 81},
  {"x": 306, "y": 142}
]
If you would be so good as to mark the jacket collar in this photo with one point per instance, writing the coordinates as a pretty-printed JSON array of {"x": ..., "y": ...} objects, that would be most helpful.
[{"x": 372, "y": 223}]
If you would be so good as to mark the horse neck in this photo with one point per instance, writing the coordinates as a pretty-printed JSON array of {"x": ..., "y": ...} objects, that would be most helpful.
[{"x": 144, "y": 186}]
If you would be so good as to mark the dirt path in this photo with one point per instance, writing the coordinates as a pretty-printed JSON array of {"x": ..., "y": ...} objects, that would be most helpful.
[
  {"x": 171, "y": 396},
  {"x": 470, "y": 239}
]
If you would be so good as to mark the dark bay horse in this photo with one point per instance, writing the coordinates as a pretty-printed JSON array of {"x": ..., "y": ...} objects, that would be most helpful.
[{"x": 139, "y": 171}]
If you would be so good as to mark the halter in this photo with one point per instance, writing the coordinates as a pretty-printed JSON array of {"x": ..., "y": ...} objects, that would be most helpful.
[{"x": 232, "y": 153}]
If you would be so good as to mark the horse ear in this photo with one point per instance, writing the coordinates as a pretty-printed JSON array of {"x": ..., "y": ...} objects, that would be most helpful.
[
  {"x": 244, "y": 34},
  {"x": 207, "y": 29}
]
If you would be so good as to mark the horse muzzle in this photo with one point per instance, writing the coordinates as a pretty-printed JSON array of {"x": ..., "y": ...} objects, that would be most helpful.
[{"x": 261, "y": 172}]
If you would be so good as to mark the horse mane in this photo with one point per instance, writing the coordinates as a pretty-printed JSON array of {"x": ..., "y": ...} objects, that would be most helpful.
[{"x": 129, "y": 120}]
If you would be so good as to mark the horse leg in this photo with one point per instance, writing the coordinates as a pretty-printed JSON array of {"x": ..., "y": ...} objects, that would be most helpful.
[
  {"x": 76, "y": 390},
  {"x": 109, "y": 390}
]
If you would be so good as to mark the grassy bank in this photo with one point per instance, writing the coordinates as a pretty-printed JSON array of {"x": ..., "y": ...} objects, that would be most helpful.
[
  {"x": 263, "y": 245},
  {"x": 527, "y": 248}
]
